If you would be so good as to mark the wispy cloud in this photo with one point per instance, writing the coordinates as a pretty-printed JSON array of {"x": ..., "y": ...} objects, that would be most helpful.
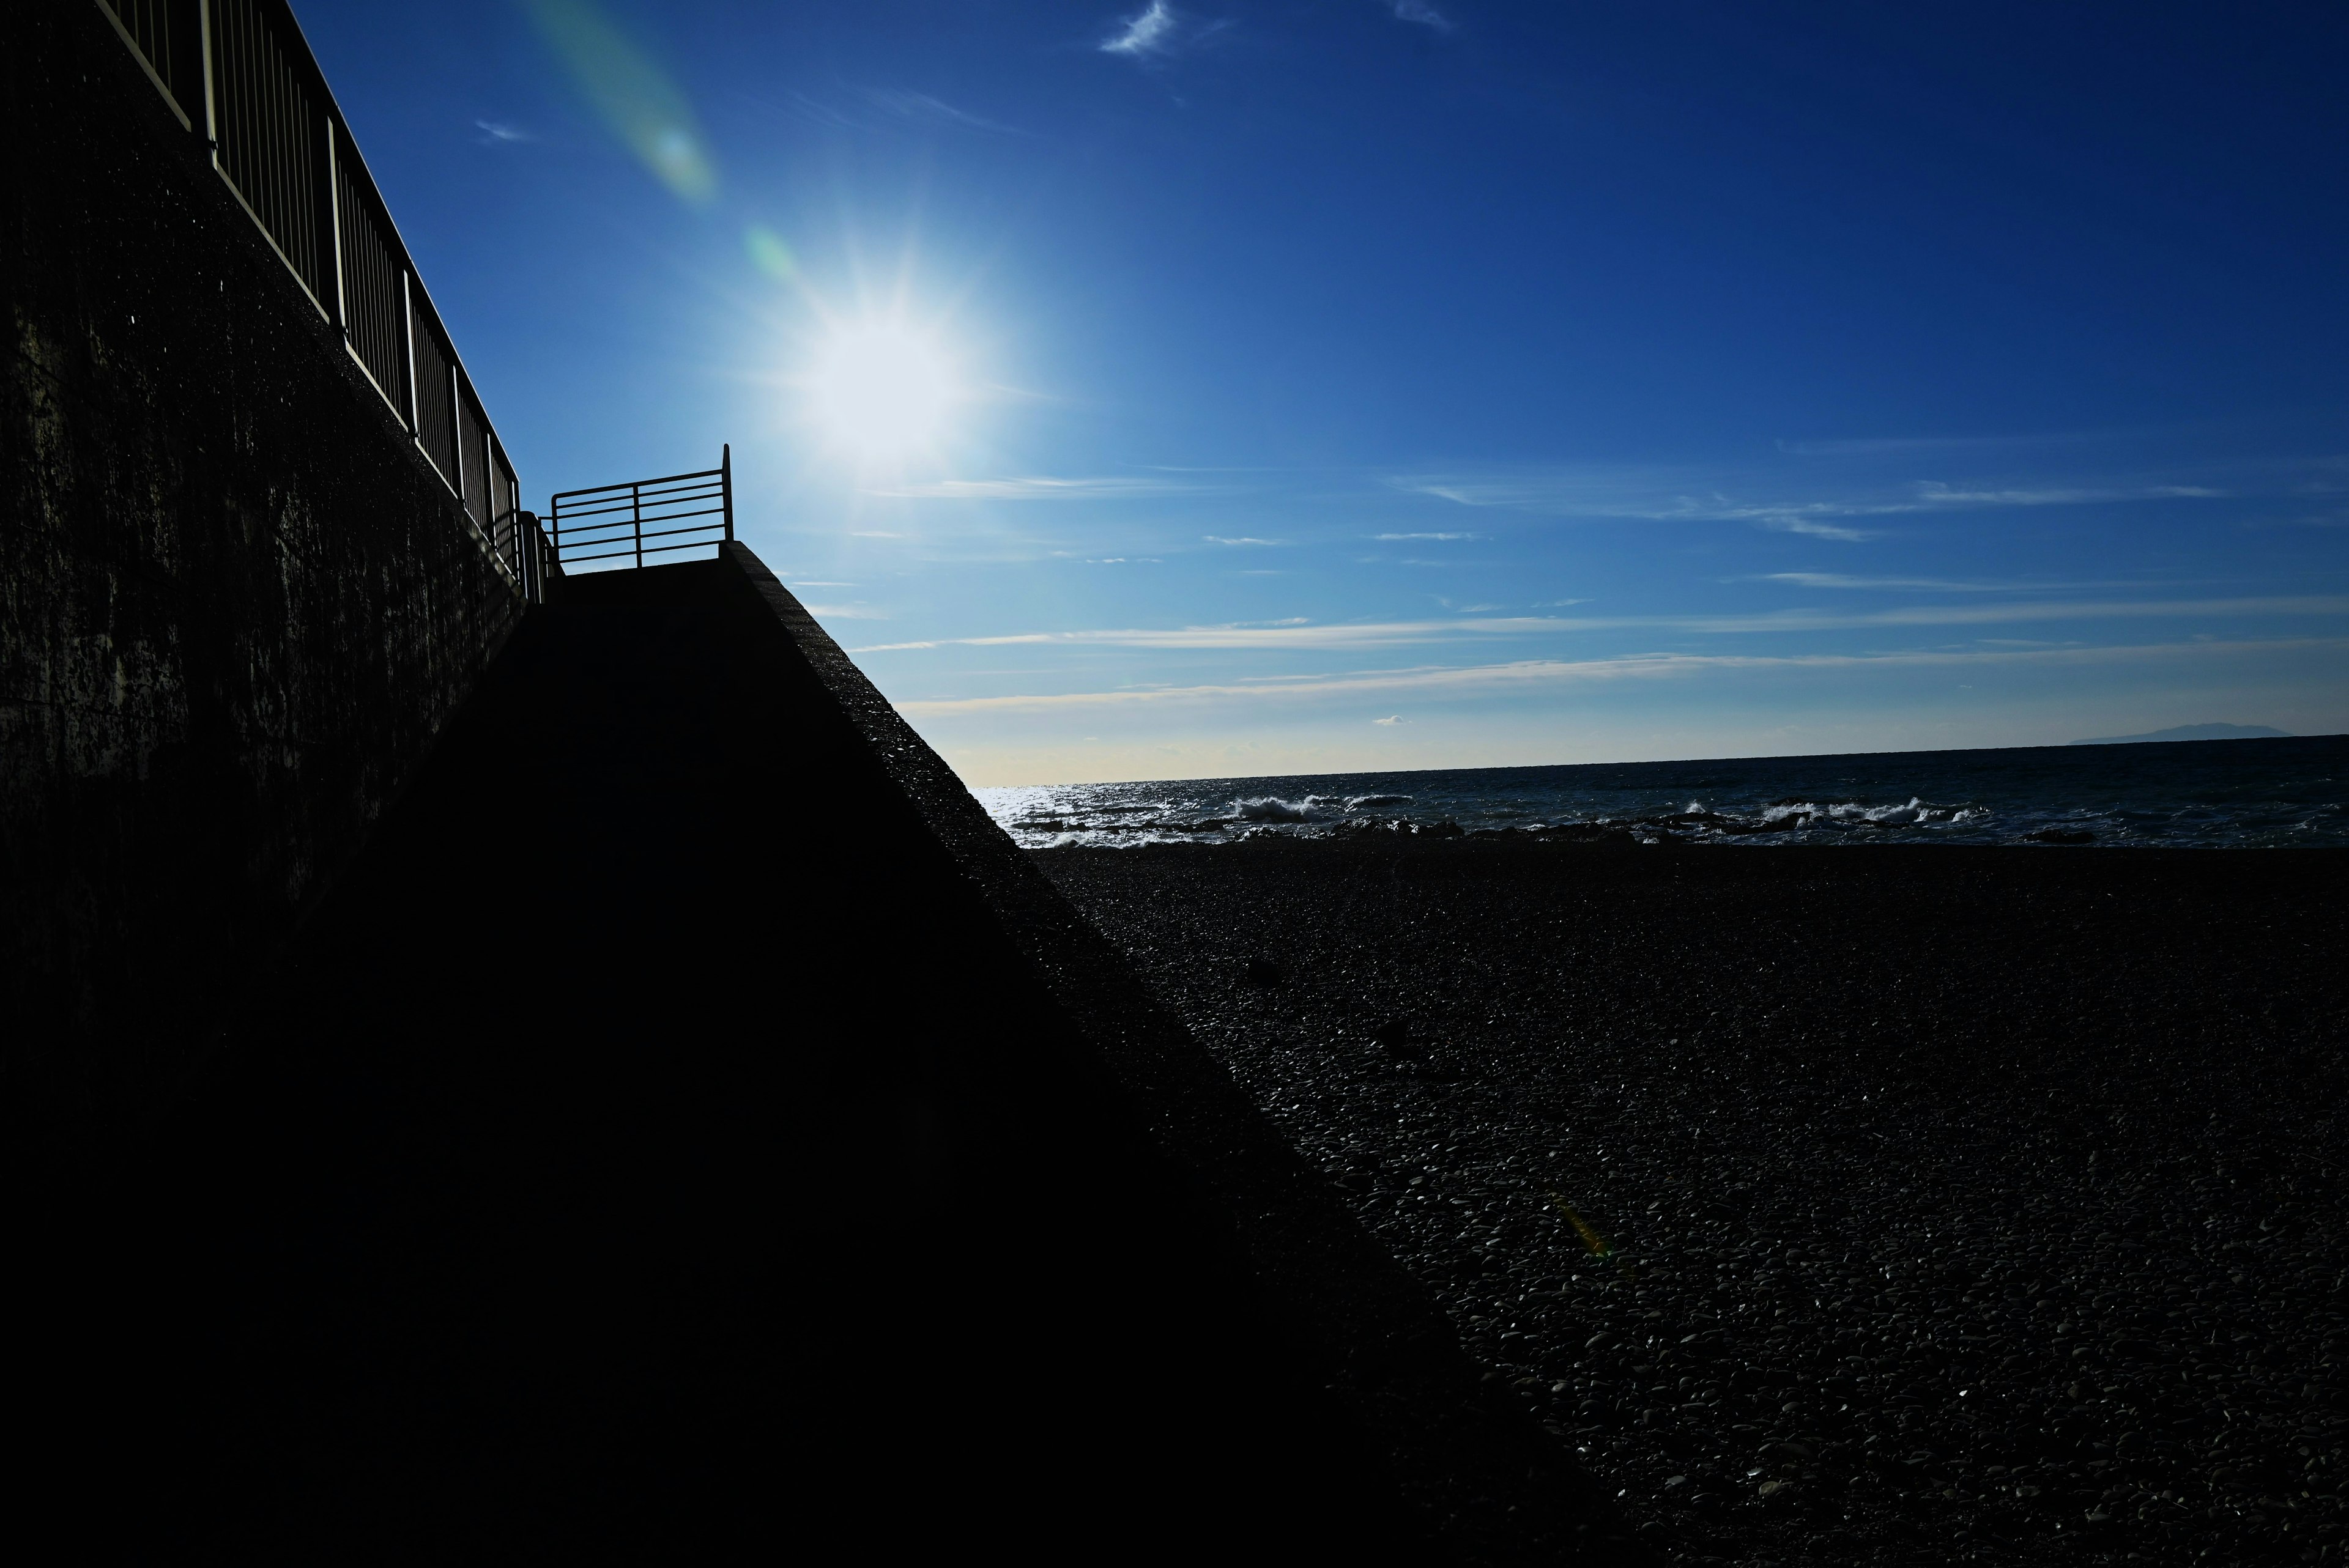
[
  {"x": 1040, "y": 487},
  {"x": 921, "y": 108},
  {"x": 1396, "y": 718},
  {"x": 846, "y": 612},
  {"x": 1147, "y": 32},
  {"x": 1309, "y": 635},
  {"x": 1420, "y": 11},
  {"x": 1391, "y": 538},
  {"x": 1797, "y": 522},
  {"x": 1920, "y": 584},
  {"x": 1917, "y": 446},
  {"x": 496, "y": 133},
  {"x": 1529, "y": 674},
  {"x": 1655, "y": 496},
  {"x": 1931, "y": 493},
  {"x": 1243, "y": 539}
]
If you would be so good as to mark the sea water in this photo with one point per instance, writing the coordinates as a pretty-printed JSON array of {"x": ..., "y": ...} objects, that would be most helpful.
[{"x": 2291, "y": 791}]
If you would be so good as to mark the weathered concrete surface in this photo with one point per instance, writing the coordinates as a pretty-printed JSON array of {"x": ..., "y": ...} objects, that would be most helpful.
[
  {"x": 1464, "y": 1452},
  {"x": 733, "y": 1147},
  {"x": 235, "y": 605}
]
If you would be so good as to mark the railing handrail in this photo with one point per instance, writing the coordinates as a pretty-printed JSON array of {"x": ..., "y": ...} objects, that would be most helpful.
[
  {"x": 636, "y": 502},
  {"x": 201, "y": 57},
  {"x": 637, "y": 484}
]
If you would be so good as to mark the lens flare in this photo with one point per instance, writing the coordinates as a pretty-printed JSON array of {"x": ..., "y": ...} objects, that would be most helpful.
[
  {"x": 769, "y": 253},
  {"x": 1598, "y": 1245},
  {"x": 637, "y": 99}
]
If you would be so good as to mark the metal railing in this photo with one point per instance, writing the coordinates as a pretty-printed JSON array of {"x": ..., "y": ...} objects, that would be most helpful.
[
  {"x": 613, "y": 522},
  {"x": 238, "y": 74}
]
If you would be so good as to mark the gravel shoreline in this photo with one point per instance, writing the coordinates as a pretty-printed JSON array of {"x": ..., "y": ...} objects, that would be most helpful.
[{"x": 1834, "y": 1205}]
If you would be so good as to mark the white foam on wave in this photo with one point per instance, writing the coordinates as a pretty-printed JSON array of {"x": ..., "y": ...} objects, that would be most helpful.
[
  {"x": 1916, "y": 813},
  {"x": 1273, "y": 808},
  {"x": 1356, "y": 802}
]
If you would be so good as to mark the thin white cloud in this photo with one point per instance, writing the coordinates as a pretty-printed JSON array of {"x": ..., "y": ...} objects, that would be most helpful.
[
  {"x": 1399, "y": 633},
  {"x": 1396, "y": 718},
  {"x": 1393, "y": 538},
  {"x": 812, "y": 582},
  {"x": 845, "y": 613},
  {"x": 1931, "y": 493},
  {"x": 921, "y": 108},
  {"x": 1420, "y": 11},
  {"x": 1918, "y": 584},
  {"x": 1242, "y": 539},
  {"x": 1914, "y": 446},
  {"x": 1531, "y": 675},
  {"x": 1041, "y": 486},
  {"x": 1815, "y": 528},
  {"x": 1149, "y": 31},
  {"x": 497, "y": 133},
  {"x": 1655, "y": 496}
]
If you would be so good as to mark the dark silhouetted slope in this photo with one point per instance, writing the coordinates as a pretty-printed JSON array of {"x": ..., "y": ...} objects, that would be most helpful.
[{"x": 636, "y": 1165}]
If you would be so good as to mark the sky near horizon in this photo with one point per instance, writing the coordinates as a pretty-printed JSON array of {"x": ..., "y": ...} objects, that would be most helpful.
[{"x": 1157, "y": 390}]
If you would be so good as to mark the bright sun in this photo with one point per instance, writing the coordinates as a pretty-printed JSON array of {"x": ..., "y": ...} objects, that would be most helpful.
[{"x": 882, "y": 388}]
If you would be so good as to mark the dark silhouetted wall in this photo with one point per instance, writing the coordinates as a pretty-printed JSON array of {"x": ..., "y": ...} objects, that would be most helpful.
[{"x": 235, "y": 605}]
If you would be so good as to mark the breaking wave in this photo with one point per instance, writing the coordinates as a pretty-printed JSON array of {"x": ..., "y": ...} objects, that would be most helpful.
[{"x": 2281, "y": 791}]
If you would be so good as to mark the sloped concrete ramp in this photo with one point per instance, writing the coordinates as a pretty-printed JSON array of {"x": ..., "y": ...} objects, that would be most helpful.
[{"x": 692, "y": 1132}]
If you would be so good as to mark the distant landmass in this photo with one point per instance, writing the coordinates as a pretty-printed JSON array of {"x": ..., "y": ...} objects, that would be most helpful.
[{"x": 2195, "y": 732}]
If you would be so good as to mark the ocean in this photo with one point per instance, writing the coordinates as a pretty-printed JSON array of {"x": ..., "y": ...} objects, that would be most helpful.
[{"x": 2219, "y": 793}]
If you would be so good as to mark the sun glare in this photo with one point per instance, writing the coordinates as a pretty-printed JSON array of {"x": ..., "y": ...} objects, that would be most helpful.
[{"x": 882, "y": 388}]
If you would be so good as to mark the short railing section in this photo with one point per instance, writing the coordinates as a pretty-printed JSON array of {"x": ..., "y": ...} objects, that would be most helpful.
[
  {"x": 620, "y": 525},
  {"x": 238, "y": 75}
]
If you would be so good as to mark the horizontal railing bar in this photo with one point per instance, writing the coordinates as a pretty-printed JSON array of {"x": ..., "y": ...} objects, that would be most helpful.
[
  {"x": 653, "y": 487},
  {"x": 626, "y": 511},
  {"x": 596, "y": 535},
  {"x": 625, "y": 546},
  {"x": 632, "y": 484},
  {"x": 603, "y": 531},
  {"x": 670, "y": 486},
  {"x": 625, "y": 503},
  {"x": 568, "y": 559},
  {"x": 628, "y": 508},
  {"x": 653, "y": 533}
]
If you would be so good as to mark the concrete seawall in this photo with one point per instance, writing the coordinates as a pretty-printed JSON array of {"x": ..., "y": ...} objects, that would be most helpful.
[
  {"x": 1464, "y": 1455},
  {"x": 235, "y": 603},
  {"x": 738, "y": 1145},
  {"x": 580, "y": 1082}
]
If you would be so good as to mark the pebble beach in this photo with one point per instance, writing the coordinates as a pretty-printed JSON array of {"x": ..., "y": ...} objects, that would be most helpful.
[{"x": 1831, "y": 1205}]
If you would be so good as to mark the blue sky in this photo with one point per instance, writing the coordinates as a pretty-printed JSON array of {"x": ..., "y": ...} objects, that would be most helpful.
[{"x": 1364, "y": 384}]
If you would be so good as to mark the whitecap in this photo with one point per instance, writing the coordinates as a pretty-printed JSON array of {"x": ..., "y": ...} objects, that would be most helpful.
[{"x": 1272, "y": 809}]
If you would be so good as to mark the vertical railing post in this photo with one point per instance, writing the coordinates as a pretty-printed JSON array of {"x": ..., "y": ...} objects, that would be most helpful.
[
  {"x": 407, "y": 345},
  {"x": 335, "y": 230},
  {"x": 637, "y": 518},
  {"x": 457, "y": 433},
  {"x": 726, "y": 485},
  {"x": 210, "y": 131}
]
